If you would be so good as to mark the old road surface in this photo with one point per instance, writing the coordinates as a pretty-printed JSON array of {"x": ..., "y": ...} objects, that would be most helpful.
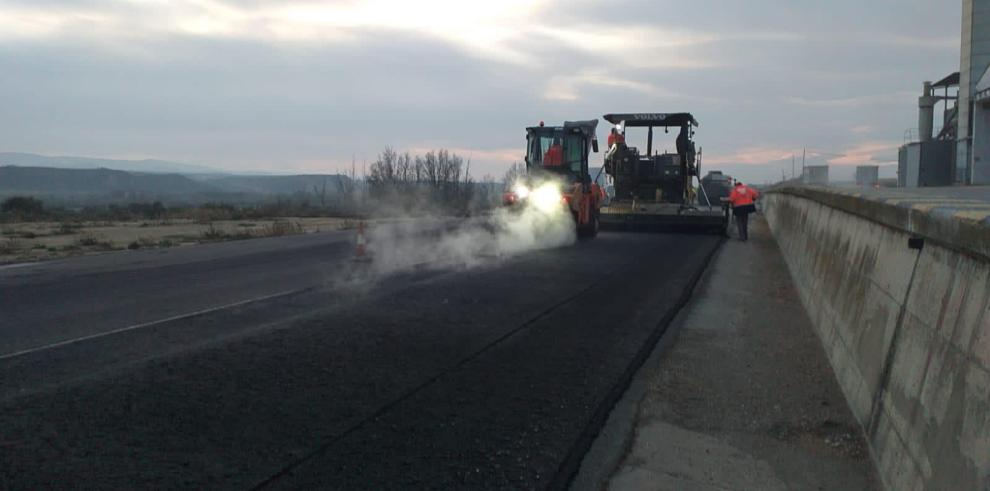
[{"x": 279, "y": 363}]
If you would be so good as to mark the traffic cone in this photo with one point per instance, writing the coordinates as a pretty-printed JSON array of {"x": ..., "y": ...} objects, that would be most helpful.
[{"x": 361, "y": 248}]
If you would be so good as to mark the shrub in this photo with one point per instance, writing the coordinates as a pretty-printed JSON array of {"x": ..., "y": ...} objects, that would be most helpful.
[
  {"x": 282, "y": 227},
  {"x": 24, "y": 234},
  {"x": 91, "y": 241},
  {"x": 213, "y": 233},
  {"x": 22, "y": 206},
  {"x": 9, "y": 246},
  {"x": 67, "y": 228},
  {"x": 87, "y": 240}
]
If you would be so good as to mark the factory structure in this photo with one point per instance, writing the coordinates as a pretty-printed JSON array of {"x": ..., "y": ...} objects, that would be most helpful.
[{"x": 959, "y": 153}]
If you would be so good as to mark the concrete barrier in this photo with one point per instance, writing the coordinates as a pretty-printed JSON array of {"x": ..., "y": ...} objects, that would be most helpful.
[{"x": 907, "y": 330}]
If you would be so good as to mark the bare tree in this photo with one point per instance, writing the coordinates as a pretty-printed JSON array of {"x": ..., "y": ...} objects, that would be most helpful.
[
  {"x": 384, "y": 172},
  {"x": 437, "y": 178},
  {"x": 404, "y": 173},
  {"x": 516, "y": 170},
  {"x": 430, "y": 169},
  {"x": 321, "y": 192}
]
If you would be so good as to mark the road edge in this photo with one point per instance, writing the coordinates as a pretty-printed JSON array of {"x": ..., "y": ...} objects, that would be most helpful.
[{"x": 613, "y": 413}]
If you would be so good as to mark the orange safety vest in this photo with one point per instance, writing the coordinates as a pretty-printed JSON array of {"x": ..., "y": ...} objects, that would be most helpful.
[
  {"x": 614, "y": 138},
  {"x": 742, "y": 195}
]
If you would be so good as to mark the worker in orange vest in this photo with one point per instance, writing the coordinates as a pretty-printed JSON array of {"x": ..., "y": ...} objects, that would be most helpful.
[
  {"x": 554, "y": 156},
  {"x": 743, "y": 200},
  {"x": 615, "y": 138}
]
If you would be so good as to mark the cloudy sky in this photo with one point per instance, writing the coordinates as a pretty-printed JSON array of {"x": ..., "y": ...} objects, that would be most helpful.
[{"x": 258, "y": 85}]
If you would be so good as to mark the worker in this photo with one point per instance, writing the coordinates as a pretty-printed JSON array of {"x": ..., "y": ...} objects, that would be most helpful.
[
  {"x": 682, "y": 141},
  {"x": 554, "y": 156},
  {"x": 742, "y": 199},
  {"x": 616, "y": 138}
]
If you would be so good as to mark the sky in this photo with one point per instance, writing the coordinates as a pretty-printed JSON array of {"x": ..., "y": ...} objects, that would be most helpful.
[{"x": 304, "y": 86}]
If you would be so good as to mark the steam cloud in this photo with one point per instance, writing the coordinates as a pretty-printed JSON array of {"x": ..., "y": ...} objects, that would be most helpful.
[{"x": 440, "y": 243}]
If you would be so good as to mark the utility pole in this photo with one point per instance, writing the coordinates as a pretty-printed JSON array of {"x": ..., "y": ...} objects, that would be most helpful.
[
  {"x": 792, "y": 166},
  {"x": 804, "y": 153}
]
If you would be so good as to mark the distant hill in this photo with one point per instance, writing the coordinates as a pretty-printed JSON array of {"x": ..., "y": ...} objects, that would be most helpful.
[
  {"x": 106, "y": 186},
  {"x": 148, "y": 165},
  {"x": 306, "y": 183},
  {"x": 44, "y": 180}
]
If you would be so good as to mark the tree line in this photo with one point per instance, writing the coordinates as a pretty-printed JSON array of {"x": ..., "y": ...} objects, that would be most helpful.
[{"x": 436, "y": 181}]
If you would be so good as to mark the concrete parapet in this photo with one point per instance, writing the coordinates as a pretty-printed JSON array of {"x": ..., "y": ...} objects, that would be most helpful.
[
  {"x": 958, "y": 224},
  {"x": 907, "y": 330}
]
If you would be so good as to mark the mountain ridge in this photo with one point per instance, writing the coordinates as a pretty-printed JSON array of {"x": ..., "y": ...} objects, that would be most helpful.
[{"x": 155, "y": 166}]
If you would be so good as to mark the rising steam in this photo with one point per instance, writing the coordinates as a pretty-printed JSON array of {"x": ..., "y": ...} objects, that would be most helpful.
[{"x": 440, "y": 243}]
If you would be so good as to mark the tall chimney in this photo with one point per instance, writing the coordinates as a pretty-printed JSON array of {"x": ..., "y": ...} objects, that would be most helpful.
[{"x": 926, "y": 114}]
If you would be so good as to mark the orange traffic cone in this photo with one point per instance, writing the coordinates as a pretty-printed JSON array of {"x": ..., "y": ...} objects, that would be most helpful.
[{"x": 361, "y": 249}]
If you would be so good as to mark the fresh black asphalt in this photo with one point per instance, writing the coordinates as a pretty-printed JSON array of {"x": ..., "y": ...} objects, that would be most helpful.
[{"x": 491, "y": 377}]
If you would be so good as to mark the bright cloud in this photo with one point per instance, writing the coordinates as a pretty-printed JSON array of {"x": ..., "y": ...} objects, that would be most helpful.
[
  {"x": 302, "y": 84},
  {"x": 485, "y": 29},
  {"x": 901, "y": 97},
  {"x": 866, "y": 153},
  {"x": 750, "y": 155}
]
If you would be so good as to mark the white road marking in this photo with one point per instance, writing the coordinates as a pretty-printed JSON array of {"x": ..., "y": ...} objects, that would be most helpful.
[
  {"x": 18, "y": 265},
  {"x": 146, "y": 324}
]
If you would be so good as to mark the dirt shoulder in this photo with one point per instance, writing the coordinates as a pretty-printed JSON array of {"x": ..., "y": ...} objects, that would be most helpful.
[{"x": 38, "y": 241}]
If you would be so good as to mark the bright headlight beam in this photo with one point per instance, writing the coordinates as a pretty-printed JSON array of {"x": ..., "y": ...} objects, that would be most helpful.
[
  {"x": 546, "y": 198},
  {"x": 521, "y": 191}
]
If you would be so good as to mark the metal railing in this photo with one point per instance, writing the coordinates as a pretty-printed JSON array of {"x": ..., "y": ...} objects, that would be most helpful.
[{"x": 913, "y": 135}]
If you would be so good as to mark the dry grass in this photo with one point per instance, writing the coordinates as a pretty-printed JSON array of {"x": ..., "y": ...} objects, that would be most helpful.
[
  {"x": 9, "y": 246},
  {"x": 35, "y": 241}
]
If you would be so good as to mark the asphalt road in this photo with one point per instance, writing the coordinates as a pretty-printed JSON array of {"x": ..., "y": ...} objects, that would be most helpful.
[{"x": 298, "y": 368}]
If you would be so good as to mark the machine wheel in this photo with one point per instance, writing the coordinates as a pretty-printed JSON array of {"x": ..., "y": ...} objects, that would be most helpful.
[{"x": 591, "y": 229}]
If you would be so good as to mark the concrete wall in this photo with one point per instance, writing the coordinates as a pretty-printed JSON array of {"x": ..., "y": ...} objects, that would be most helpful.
[{"x": 907, "y": 332}]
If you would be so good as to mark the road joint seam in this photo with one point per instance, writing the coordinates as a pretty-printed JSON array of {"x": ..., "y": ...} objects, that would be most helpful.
[
  {"x": 295, "y": 464},
  {"x": 143, "y": 325}
]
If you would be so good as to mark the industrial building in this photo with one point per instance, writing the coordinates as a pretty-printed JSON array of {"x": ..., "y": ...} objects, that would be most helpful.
[
  {"x": 816, "y": 175},
  {"x": 929, "y": 160},
  {"x": 973, "y": 149},
  {"x": 960, "y": 152},
  {"x": 868, "y": 175}
]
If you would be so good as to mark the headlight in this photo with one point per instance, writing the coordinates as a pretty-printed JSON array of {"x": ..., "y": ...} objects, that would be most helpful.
[
  {"x": 547, "y": 197},
  {"x": 521, "y": 191}
]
